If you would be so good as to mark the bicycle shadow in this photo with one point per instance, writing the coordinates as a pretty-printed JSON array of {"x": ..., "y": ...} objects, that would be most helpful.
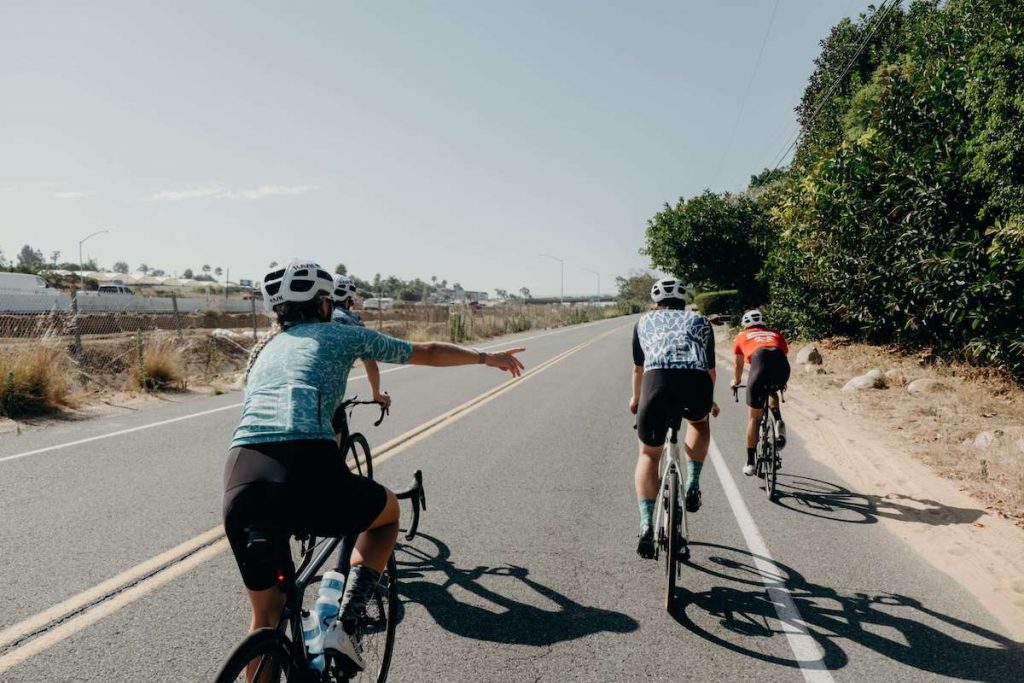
[
  {"x": 827, "y": 500},
  {"x": 504, "y": 619},
  {"x": 897, "y": 626}
]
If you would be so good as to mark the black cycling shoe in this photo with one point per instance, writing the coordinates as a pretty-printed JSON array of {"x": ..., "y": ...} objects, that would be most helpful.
[
  {"x": 693, "y": 500},
  {"x": 645, "y": 546}
]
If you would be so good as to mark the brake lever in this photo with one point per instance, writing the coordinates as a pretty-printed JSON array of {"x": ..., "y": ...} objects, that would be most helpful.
[{"x": 384, "y": 410}]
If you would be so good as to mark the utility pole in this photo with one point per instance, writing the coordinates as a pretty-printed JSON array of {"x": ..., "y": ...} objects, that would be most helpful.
[
  {"x": 561, "y": 277},
  {"x": 598, "y": 281}
]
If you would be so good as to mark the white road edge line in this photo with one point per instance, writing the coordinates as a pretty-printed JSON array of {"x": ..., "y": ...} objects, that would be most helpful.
[
  {"x": 807, "y": 652},
  {"x": 161, "y": 423}
]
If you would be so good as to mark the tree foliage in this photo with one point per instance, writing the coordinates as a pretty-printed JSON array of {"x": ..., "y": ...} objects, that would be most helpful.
[
  {"x": 714, "y": 241},
  {"x": 901, "y": 216}
]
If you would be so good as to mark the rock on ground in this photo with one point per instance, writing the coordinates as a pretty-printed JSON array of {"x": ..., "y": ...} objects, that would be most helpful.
[
  {"x": 867, "y": 381},
  {"x": 809, "y": 354}
]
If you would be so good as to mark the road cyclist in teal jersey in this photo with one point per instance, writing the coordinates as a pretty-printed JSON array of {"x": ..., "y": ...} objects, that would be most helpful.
[
  {"x": 673, "y": 380},
  {"x": 343, "y": 298},
  {"x": 285, "y": 471}
]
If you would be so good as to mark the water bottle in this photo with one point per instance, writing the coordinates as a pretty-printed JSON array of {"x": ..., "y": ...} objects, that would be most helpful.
[
  {"x": 332, "y": 587},
  {"x": 314, "y": 643}
]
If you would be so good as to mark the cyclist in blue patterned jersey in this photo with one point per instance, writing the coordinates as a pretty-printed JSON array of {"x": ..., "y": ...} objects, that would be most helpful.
[
  {"x": 285, "y": 473},
  {"x": 344, "y": 298},
  {"x": 673, "y": 380}
]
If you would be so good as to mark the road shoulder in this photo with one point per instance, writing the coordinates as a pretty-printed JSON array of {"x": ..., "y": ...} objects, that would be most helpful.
[{"x": 947, "y": 527}]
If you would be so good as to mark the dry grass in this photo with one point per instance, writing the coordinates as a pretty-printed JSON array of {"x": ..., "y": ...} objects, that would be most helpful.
[
  {"x": 33, "y": 379},
  {"x": 163, "y": 365},
  {"x": 939, "y": 428}
]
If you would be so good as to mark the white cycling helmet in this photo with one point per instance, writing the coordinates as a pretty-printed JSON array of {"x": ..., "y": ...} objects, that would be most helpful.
[
  {"x": 752, "y": 318},
  {"x": 667, "y": 288},
  {"x": 344, "y": 289},
  {"x": 296, "y": 281}
]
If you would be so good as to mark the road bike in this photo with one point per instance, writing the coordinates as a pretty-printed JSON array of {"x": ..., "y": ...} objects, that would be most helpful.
[
  {"x": 273, "y": 654},
  {"x": 767, "y": 461},
  {"x": 671, "y": 531}
]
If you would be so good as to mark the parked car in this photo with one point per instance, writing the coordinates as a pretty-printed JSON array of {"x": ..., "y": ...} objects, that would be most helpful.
[
  {"x": 24, "y": 283},
  {"x": 115, "y": 289}
]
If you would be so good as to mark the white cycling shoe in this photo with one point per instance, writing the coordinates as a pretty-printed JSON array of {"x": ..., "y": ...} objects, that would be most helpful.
[
  {"x": 337, "y": 642},
  {"x": 748, "y": 470}
]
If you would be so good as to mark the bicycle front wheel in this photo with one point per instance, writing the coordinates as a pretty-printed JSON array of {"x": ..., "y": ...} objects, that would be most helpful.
[
  {"x": 357, "y": 456},
  {"x": 264, "y": 656},
  {"x": 672, "y": 551}
]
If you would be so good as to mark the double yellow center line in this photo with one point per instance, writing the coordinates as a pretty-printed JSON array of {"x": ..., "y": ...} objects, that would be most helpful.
[{"x": 35, "y": 634}]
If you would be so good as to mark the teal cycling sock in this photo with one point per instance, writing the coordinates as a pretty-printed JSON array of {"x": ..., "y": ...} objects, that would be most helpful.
[
  {"x": 646, "y": 512},
  {"x": 693, "y": 469}
]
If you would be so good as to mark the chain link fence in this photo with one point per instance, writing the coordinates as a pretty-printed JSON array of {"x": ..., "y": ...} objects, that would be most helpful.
[{"x": 81, "y": 321}]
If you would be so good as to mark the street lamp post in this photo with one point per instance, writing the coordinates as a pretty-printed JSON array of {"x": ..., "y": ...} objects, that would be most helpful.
[
  {"x": 81, "y": 269},
  {"x": 598, "y": 281},
  {"x": 561, "y": 277}
]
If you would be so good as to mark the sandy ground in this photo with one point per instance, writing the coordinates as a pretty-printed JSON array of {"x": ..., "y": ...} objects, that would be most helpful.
[{"x": 978, "y": 548}]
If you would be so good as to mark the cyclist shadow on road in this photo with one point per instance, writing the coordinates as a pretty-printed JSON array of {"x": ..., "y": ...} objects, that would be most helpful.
[
  {"x": 824, "y": 499},
  {"x": 428, "y": 576},
  {"x": 896, "y": 626}
]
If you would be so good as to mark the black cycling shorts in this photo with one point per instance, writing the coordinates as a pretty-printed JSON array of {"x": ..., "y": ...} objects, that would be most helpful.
[
  {"x": 769, "y": 369},
  {"x": 290, "y": 487},
  {"x": 667, "y": 397}
]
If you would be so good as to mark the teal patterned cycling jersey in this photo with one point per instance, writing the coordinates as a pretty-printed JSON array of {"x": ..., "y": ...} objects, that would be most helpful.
[
  {"x": 299, "y": 378},
  {"x": 345, "y": 317},
  {"x": 673, "y": 339}
]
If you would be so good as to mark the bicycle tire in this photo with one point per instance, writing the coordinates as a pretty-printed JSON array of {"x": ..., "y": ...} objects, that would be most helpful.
[
  {"x": 358, "y": 456},
  {"x": 771, "y": 453},
  {"x": 268, "y": 645},
  {"x": 672, "y": 551}
]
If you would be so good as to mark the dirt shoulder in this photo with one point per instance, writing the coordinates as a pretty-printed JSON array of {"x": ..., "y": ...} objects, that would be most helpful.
[{"x": 905, "y": 461}]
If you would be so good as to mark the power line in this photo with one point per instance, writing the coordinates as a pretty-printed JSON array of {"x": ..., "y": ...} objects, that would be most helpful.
[
  {"x": 746, "y": 94},
  {"x": 876, "y": 21}
]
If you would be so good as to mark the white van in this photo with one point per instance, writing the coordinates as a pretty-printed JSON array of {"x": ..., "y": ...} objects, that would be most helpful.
[{"x": 24, "y": 283}]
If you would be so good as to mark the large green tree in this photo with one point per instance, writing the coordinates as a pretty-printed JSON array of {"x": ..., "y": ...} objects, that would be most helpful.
[{"x": 714, "y": 241}]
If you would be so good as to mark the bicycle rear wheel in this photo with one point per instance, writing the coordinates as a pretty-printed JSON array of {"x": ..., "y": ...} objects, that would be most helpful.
[
  {"x": 672, "y": 549},
  {"x": 770, "y": 460},
  {"x": 357, "y": 456},
  {"x": 268, "y": 651}
]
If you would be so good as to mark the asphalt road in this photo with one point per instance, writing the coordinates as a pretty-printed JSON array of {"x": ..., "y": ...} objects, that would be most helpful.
[{"x": 526, "y": 569}]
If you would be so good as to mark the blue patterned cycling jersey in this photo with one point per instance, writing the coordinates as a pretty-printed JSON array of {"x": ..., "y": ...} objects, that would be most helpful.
[
  {"x": 673, "y": 339},
  {"x": 346, "y": 317},
  {"x": 299, "y": 380}
]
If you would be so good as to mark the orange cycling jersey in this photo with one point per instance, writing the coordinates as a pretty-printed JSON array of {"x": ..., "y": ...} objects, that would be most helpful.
[{"x": 750, "y": 340}]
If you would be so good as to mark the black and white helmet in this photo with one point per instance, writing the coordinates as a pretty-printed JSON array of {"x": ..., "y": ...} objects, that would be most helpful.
[
  {"x": 752, "y": 318},
  {"x": 344, "y": 289},
  {"x": 296, "y": 281},
  {"x": 667, "y": 288}
]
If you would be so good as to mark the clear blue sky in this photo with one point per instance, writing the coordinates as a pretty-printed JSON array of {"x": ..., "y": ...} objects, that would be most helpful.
[{"x": 457, "y": 139}]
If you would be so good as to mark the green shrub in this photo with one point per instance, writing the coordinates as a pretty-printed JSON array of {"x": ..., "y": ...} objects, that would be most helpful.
[
  {"x": 519, "y": 322},
  {"x": 631, "y": 306},
  {"x": 460, "y": 324},
  {"x": 725, "y": 302}
]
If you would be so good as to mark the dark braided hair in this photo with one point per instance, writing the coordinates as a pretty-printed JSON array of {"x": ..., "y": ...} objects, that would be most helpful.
[{"x": 285, "y": 315}]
